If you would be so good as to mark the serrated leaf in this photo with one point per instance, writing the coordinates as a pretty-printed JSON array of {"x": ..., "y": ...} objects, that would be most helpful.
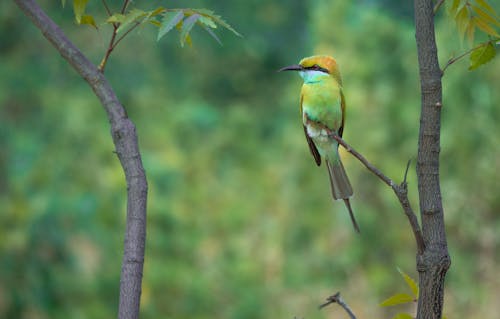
[
  {"x": 187, "y": 25},
  {"x": 169, "y": 21},
  {"x": 486, "y": 17},
  {"x": 88, "y": 19},
  {"x": 403, "y": 315},
  {"x": 482, "y": 55},
  {"x": 207, "y": 21},
  {"x": 217, "y": 19},
  {"x": 116, "y": 18},
  {"x": 410, "y": 282},
  {"x": 397, "y": 299},
  {"x": 485, "y": 27},
  {"x": 212, "y": 33},
  {"x": 130, "y": 17},
  {"x": 487, "y": 7},
  {"x": 79, "y": 9}
]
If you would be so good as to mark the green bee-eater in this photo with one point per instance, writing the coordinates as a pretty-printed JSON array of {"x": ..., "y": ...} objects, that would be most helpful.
[{"x": 322, "y": 106}]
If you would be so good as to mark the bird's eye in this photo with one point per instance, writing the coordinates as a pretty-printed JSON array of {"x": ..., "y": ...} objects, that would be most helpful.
[{"x": 316, "y": 67}]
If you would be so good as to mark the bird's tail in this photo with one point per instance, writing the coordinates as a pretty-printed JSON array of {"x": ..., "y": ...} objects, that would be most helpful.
[{"x": 340, "y": 185}]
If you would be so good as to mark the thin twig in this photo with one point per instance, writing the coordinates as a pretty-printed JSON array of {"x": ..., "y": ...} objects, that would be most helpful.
[
  {"x": 125, "y": 33},
  {"x": 338, "y": 299},
  {"x": 108, "y": 11},
  {"x": 455, "y": 59},
  {"x": 437, "y": 6},
  {"x": 124, "y": 6}
]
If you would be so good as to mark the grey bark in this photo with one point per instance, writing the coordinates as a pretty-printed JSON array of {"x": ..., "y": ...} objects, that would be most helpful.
[
  {"x": 125, "y": 140},
  {"x": 434, "y": 262}
]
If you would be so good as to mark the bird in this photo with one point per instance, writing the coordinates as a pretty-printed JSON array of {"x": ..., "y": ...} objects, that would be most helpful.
[{"x": 323, "y": 109}]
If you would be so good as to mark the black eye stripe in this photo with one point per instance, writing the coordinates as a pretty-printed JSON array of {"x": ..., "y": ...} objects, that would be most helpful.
[{"x": 317, "y": 68}]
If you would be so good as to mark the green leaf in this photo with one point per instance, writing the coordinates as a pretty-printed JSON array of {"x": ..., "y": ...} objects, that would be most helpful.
[
  {"x": 403, "y": 316},
  {"x": 410, "y": 282},
  {"x": 170, "y": 20},
  {"x": 79, "y": 9},
  {"x": 130, "y": 17},
  {"x": 397, "y": 299},
  {"x": 63, "y": 2},
  {"x": 187, "y": 26},
  {"x": 482, "y": 55},
  {"x": 217, "y": 19},
  {"x": 212, "y": 33},
  {"x": 116, "y": 18},
  {"x": 88, "y": 19},
  {"x": 207, "y": 21}
]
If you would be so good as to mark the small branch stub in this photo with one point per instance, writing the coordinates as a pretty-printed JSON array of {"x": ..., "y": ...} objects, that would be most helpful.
[{"x": 338, "y": 300}]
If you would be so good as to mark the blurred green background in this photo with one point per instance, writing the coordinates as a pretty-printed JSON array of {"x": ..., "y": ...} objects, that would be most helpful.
[{"x": 240, "y": 220}]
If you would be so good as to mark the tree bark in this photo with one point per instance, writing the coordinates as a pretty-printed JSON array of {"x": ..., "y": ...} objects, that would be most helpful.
[
  {"x": 434, "y": 262},
  {"x": 125, "y": 140}
]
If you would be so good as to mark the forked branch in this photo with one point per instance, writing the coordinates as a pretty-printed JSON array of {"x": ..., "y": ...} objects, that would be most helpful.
[{"x": 401, "y": 190}]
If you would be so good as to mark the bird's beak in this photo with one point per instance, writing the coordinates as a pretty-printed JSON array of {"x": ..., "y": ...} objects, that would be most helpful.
[{"x": 295, "y": 67}]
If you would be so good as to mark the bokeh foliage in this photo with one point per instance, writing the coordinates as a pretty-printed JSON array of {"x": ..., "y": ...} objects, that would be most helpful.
[{"x": 240, "y": 220}]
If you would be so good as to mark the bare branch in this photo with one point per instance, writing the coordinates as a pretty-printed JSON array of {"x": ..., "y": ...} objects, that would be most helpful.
[
  {"x": 400, "y": 190},
  {"x": 338, "y": 299}
]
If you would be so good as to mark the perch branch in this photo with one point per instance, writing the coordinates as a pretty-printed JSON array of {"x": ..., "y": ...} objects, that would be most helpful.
[{"x": 401, "y": 190}]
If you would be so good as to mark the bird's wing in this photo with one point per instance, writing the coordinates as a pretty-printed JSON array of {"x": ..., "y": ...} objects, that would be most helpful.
[
  {"x": 312, "y": 147},
  {"x": 342, "y": 107}
]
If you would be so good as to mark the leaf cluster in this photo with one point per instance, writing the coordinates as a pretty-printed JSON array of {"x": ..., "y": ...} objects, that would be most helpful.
[
  {"x": 165, "y": 19},
  {"x": 472, "y": 15}
]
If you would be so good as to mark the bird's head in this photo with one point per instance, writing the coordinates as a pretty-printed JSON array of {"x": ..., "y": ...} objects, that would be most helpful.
[{"x": 315, "y": 68}]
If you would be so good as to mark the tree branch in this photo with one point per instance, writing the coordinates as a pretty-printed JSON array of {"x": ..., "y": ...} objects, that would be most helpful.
[
  {"x": 125, "y": 140},
  {"x": 338, "y": 299},
  {"x": 401, "y": 190}
]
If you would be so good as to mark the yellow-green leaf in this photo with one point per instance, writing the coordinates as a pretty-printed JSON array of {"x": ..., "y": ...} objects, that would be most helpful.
[
  {"x": 462, "y": 19},
  {"x": 88, "y": 19},
  {"x": 403, "y": 315},
  {"x": 156, "y": 11},
  {"x": 397, "y": 299},
  {"x": 485, "y": 27},
  {"x": 482, "y": 55},
  {"x": 469, "y": 32},
  {"x": 130, "y": 17},
  {"x": 116, "y": 18},
  {"x": 207, "y": 21},
  {"x": 169, "y": 21},
  {"x": 487, "y": 7},
  {"x": 410, "y": 282},
  {"x": 79, "y": 9},
  {"x": 486, "y": 17},
  {"x": 454, "y": 7}
]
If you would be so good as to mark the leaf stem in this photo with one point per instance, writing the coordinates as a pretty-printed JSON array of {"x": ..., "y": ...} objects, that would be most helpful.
[{"x": 455, "y": 59}]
